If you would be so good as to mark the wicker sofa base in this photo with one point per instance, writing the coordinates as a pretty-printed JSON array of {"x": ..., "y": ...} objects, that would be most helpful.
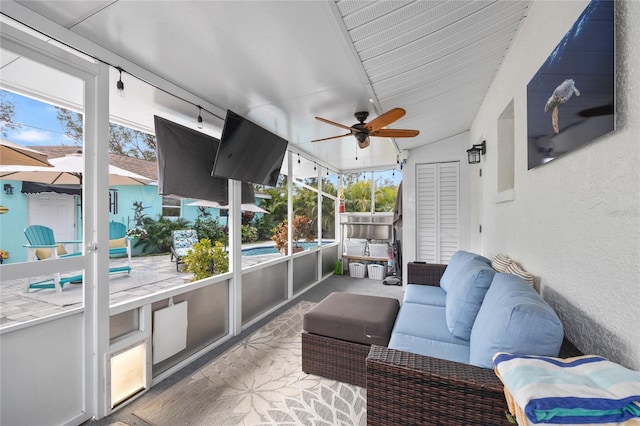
[
  {"x": 335, "y": 359},
  {"x": 406, "y": 388}
]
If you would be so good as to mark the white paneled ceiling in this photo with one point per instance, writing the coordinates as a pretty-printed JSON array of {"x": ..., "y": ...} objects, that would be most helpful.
[{"x": 281, "y": 63}]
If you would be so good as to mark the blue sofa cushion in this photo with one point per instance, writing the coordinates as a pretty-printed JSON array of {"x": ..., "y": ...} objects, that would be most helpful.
[
  {"x": 465, "y": 296},
  {"x": 456, "y": 264},
  {"x": 425, "y": 295},
  {"x": 515, "y": 319},
  {"x": 422, "y": 329}
]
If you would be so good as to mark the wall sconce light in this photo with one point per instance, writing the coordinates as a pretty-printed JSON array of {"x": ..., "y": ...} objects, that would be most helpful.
[
  {"x": 475, "y": 151},
  {"x": 8, "y": 189}
]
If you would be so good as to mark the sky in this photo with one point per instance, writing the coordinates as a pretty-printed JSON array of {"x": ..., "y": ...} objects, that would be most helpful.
[{"x": 40, "y": 127}]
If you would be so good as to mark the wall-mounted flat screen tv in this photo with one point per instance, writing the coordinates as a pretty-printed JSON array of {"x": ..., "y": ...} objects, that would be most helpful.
[
  {"x": 571, "y": 99},
  {"x": 248, "y": 152},
  {"x": 185, "y": 157}
]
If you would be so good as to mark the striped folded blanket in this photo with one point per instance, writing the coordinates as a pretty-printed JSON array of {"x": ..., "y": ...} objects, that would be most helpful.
[{"x": 581, "y": 390}]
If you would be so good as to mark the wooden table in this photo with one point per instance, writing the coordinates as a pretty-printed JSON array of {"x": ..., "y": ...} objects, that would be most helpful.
[{"x": 363, "y": 259}]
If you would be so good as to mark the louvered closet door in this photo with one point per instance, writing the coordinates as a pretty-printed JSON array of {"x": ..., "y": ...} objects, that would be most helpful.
[{"x": 437, "y": 211}]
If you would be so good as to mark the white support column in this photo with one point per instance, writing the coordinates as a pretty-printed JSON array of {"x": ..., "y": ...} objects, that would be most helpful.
[
  {"x": 319, "y": 224},
  {"x": 338, "y": 218},
  {"x": 235, "y": 255},
  {"x": 290, "y": 225},
  {"x": 372, "y": 210},
  {"x": 95, "y": 211}
]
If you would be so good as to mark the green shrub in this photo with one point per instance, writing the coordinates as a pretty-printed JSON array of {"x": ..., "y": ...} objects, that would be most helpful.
[
  {"x": 264, "y": 225},
  {"x": 211, "y": 229},
  {"x": 206, "y": 259},
  {"x": 249, "y": 234},
  {"x": 159, "y": 233}
]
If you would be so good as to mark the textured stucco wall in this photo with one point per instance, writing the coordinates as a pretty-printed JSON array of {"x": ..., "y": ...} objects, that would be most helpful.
[{"x": 574, "y": 222}]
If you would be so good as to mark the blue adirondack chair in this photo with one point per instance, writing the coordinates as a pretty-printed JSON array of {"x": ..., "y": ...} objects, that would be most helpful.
[
  {"x": 119, "y": 244},
  {"x": 43, "y": 245}
]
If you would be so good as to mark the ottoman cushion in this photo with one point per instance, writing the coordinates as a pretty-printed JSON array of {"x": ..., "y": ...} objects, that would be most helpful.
[{"x": 354, "y": 318}]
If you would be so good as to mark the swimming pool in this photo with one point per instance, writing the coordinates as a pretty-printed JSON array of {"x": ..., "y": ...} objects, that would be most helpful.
[{"x": 256, "y": 251}]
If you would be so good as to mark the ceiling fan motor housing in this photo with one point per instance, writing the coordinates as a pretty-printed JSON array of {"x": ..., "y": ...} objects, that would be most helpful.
[{"x": 361, "y": 116}]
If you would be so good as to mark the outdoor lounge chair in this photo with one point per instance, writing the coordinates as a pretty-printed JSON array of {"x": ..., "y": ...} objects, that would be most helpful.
[
  {"x": 43, "y": 245},
  {"x": 119, "y": 244},
  {"x": 182, "y": 241}
]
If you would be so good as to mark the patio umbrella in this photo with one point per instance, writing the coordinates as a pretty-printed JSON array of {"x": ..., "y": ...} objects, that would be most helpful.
[
  {"x": 68, "y": 170},
  {"x": 14, "y": 154},
  {"x": 248, "y": 207}
]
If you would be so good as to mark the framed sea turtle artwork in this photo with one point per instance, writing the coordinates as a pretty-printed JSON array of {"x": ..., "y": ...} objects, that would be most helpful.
[{"x": 571, "y": 98}]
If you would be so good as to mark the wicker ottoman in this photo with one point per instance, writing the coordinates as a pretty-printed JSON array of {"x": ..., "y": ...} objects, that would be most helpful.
[{"x": 339, "y": 331}]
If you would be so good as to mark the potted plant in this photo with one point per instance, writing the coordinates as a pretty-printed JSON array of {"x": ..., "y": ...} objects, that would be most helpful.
[
  {"x": 139, "y": 233},
  {"x": 303, "y": 229}
]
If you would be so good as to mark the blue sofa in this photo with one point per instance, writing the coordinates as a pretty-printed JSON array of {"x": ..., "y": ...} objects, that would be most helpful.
[
  {"x": 451, "y": 323},
  {"x": 474, "y": 313}
]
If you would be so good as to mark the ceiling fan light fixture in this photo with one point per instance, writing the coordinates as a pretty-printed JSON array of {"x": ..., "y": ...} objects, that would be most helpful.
[{"x": 361, "y": 137}]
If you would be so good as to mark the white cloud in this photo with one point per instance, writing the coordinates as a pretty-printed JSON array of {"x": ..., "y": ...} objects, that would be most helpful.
[{"x": 31, "y": 136}]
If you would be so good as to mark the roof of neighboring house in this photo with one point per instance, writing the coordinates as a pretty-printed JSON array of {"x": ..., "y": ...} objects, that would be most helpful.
[{"x": 144, "y": 168}]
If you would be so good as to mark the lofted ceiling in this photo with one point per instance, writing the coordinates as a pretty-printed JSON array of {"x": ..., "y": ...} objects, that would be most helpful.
[{"x": 281, "y": 63}]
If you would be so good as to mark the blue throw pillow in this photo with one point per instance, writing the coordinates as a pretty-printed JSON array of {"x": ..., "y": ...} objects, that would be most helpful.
[
  {"x": 515, "y": 319},
  {"x": 465, "y": 295},
  {"x": 456, "y": 264}
]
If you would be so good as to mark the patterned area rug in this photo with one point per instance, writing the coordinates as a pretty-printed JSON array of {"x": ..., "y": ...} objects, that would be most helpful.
[{"x": 260, "y": 382}]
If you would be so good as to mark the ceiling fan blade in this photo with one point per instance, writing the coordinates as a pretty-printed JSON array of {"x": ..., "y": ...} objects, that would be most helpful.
[
  {"x": 332, "y": 137},
  {"x": 385, "y": 119},
  {"x": 395, "y": 133},
  {"x": 335, "y": 124}
]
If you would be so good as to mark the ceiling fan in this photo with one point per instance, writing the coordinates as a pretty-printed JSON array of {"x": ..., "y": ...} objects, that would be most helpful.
[{"x": 362, "y": 131}]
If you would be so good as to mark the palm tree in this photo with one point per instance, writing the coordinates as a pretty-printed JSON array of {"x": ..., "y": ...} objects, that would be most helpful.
[
  {"x": 277, "y": 204},
  {"x": 386, "y": 198},
  {"x": 358, "y": 196}
]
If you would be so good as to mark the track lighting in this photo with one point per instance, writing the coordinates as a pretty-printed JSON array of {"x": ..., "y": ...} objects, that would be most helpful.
[
  {"x": 200, "y": 123},
  {"x": 120, "y": 84},
  {"x": 298, "y": 158}
]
